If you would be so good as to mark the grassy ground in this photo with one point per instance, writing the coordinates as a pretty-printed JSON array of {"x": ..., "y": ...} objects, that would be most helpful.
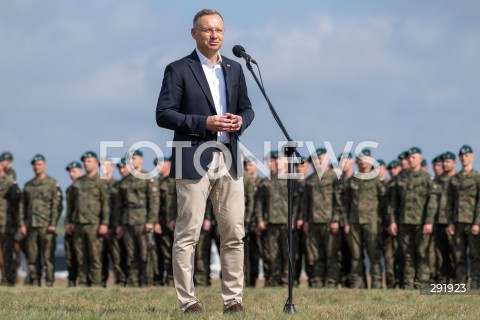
[{"x": 160, "y": 303}]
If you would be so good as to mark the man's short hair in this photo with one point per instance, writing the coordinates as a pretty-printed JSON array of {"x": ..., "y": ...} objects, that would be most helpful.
[{"x": 204, "y": 12}]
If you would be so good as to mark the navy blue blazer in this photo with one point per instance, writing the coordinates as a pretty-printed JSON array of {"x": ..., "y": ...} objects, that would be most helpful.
[{"x": 184, "y": 104}]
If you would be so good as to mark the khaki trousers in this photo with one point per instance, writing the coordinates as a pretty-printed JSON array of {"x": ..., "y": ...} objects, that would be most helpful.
[{"x": 227, "y": 196}]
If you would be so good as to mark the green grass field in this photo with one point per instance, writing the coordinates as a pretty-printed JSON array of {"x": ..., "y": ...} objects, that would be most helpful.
[{"x": 160, "y": 303}]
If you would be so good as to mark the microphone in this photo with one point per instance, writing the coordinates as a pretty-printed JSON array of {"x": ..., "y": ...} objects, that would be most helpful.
[{"x": 239, "y": 52}]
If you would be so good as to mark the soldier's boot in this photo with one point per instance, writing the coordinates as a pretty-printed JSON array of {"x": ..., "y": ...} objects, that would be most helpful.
[
  {"x": 103, "y": 284},
  {"x": 315, "y": 283},
  {"x": 49, "y": 284},
  {"x": 71, "y": 284},
  {"x": 474, "y": 285}
]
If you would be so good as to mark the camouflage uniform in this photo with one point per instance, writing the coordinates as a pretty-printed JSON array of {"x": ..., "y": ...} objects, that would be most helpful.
[
  {"x": 9, "y": 201},
  {"x": 137, "y": 204},
  {"x": 322, "y": 245},
  {"x": 40, "y": 208},
  {"x": 167, "y": 214},
  {"x": 363, "y": 198},
  {"x": 271, "y": 206},
  {"x": 11, "y": 173},
  {"x": 463, "y": 211},
  {"x": 89, "y": 208},
  {"x": 444, "y": 266},
  {"x": 299, "y": 237},
  {"x": 410, "y": 209},
  {"x": 70, "y": 256},
  {"x": 250, "y": 241}
]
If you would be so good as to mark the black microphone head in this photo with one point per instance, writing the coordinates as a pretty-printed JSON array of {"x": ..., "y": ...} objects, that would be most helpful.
[{"x": 237, "y": 50}]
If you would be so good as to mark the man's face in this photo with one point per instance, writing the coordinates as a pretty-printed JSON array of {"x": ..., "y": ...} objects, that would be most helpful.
[
  {"x": 383, "y": 171},
  {"x": 364, "y": 164},
  {"x": 302, "y": 168},
  {"x": 405, "y": 164},
  {"x": 251, "y": 167},
  {"x": 123, "y": 171},
  {"x": 438, "y": 168},
  {"x": 394, "y": 171},
  {"x": 137, "y": 162},
  {"x": 90, "y": 164},
  {"x": 273, "y": 164},
  {"x": 466, "y": 159},
  {"x": 415, "y": 160},
  {"x": 75, "y": 173},
  {"x": 1, "y": 167},
  {"x": 163, "y": 167},
  {"x": 208, "y": 33},
  {"x": 107, "y": 168},
  {"x": 346, "y": 164},
  {"x": 7, "y": 164},
  {"x": 39, "y": 167},
  {"x": 448, "y": 165}
]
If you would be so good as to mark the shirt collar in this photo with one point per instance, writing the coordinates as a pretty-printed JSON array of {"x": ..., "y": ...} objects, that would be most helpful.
[{"x": 205, "y": 60}]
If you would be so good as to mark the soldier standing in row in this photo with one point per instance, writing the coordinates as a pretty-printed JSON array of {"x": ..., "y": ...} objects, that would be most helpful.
[
  {"x": 271, "y": 206},
  {"x": 9, "y": 201},
  {"x": 87, "y": 218},
  {"x": 463, "y": 211},
  {"x": 364, "y": 193},
  {"x": 321, "y": 224},
  {"x": 39, "y": 212},
  {"x": 412, "y": 216},
  {"x": 74, "y": 169},
  {"x": 299, "y": 238},
  {"x": 252, "y": 242},
  {"x": 166, "y": 218},
  {"x": 137, "y": 206},
  {"x": 444, "y": 267}
]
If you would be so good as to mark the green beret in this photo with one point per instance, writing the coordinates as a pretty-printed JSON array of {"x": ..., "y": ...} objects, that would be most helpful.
[
  {"x": 37, "y": 157},
  {"x": 424, "y": 163},
  {"x": 393, "y": 164},
  {"x": 6, "y": 156},
  {"x": 137, "y": 153},
  {"x": 414, "y": 150},
  {"x": 122, "y": 163},
  {"x": 320, "y": 151},
  {"x": 345, "y": 155},
  {"x": 301, "y": 160},
  {"x": 273, "y": 155},
  {"x": 438, "y": 158},
  {"x": 366, "y": 152},
  {"x": 381, "y": 162},
  {"x": 163, "y": 159},
  {"x": 465, "y": 149},
  {"x": 89, "y": 154},
  {"x": 72, "y": 165},
  {"x": 402, "y": 155},
  {"x": 449, "y": 155}
]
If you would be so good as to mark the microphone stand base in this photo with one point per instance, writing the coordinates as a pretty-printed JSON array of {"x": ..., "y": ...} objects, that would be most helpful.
[{"x": 289, "y": 309}]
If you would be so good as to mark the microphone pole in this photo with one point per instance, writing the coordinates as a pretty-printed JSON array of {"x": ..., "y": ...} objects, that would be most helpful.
[{"x": 290, "y": 152}]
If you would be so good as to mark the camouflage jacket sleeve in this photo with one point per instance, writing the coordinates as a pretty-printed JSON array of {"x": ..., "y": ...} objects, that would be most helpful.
[
  {"x": 342, "y": 202},
  {"x": 476, "y": 219},
  {"x": 249, "y": 199},
  {"x": 306, "y": 202},
  {"x": 69, "y": 200},
  {"x": 57, "y": 204},
  {"x": 393, "y": 203},
  {"x": 105, "y": 199},
  {"x": 153, "y": 195},
  {"x": 116, "y": 215},
  {"x": 432, "y": 205},
  {"x": 451, "y": 204},
  {"x": 23, "y": 204},
  {"x": 15, "y": 196},
  {"x": 260, "y": 203}
]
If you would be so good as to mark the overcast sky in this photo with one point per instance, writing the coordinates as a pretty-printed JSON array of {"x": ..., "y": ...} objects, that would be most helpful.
[{"x": 400, "y": 73}]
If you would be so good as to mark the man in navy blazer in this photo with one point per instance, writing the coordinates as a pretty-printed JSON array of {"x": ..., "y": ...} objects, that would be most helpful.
[{"x": 204, "y": 100}]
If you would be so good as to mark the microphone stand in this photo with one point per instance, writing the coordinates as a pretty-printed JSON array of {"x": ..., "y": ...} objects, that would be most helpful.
[{"x": 290, "y": 152}]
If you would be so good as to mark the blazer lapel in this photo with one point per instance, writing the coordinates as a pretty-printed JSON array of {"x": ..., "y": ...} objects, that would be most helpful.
[
  {"x": 227, "y": 73},
  {"x": 199, "y": 75}
]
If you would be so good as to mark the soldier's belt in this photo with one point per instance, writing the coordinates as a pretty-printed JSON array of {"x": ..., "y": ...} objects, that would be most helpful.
[{"x": 135, "y": 207}]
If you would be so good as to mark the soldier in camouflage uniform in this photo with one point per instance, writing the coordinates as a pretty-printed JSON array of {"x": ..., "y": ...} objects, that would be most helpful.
[
  {"x": 346, "y": 164},
  {"x": 166, "y": 218},
  {"x": 321, "y": 223},
  {"x": 9, "y": 201},
  {"x": 106, "y": 168},
  {"x": 442, "y": 244},
  {"x": 40, "y": 209},
  {"x": 74, "y": 169},
  {"x": 463, "y": 211},
  {"x": 299, "y": 237},
  {"x": 7, "y": 165},
  {"x": 411, "y": 219},
  {"x": 271, "y": 206},
  {"x": 88, "y": 216},
  {"x": 137, "y": 206},
  {"x": 389, "y": 243},
  {"x": 364, "y": 192}
]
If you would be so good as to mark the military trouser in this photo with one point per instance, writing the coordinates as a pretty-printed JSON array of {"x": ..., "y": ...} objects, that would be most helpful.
[
  {"x": 414, "y": 247},
  {"x": 113, "y": 249},
  {"x": 360, "y": 236},
  {"x": 443, "y": 243},
  {"x": 71, "y": 257},
  {"x": 391, "y": 257},
  {"x": 299, "y": 250},
  {"x": 158, "y": 267},
  {"x": 136, "y": 245},
  {"x": 463, "y": 240},
  {"x": 251, "y": 260},
  {"x": 344, "y": 259},
  {"x": 277, "y": 251},
  {"x": 41, "y": 246},
  {"x": 201, "y": 272},
  {"x": 322, "y": 255},
  {"x": 166, "y": 245},
  {"x": 6, "y": 247},
  {"x": 88, "y": 245},
  {"x": 263, "y": 251}
]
